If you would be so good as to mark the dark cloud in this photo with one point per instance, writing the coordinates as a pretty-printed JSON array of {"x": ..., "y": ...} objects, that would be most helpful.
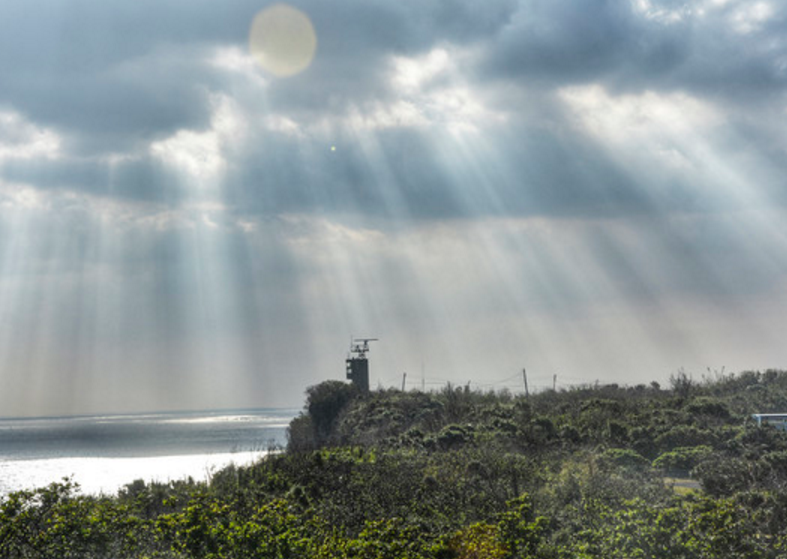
[
  {"x": 62, "y": 66},
  {"x": 116, "y": 79},
  {"x": 564, "y": 41},
  {"x": 111, "y": 78},
  {"x": 669, "y": 46}
]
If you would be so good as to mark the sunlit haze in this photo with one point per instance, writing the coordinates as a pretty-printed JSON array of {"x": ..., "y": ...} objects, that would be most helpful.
[{"x": 201, "y": 202}]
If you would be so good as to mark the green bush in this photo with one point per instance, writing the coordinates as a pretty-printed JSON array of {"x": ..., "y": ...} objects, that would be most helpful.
[
  {"x": 324, "y": 403},
  {"x": 624, "y": 458},
  {"x": 682, "y": 459}
]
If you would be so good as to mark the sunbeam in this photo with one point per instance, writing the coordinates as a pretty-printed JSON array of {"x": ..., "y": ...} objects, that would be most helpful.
[{"x": 200, "y": 215}]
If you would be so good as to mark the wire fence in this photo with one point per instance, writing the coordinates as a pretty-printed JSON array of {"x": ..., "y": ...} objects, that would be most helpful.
[{"x": 514, "y": 383}]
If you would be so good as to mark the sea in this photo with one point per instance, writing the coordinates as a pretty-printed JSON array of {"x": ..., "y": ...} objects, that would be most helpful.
[{"x": 102, "y": 453}]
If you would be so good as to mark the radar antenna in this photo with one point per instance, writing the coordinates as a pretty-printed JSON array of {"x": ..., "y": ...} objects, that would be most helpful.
[{"x": 360, "y": 346}]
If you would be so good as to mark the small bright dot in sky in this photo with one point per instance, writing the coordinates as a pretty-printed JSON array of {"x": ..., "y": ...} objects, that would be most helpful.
[
  {"x": 333, "y": 148},
  {"x": 282, "y": 40}
]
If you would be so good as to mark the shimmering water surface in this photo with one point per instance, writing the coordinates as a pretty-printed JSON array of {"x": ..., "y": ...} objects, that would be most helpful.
[{"x": 104, "y": 452}]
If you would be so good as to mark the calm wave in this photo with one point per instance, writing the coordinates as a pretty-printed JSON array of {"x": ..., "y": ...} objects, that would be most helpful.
[{"x": 104, "y": 452}]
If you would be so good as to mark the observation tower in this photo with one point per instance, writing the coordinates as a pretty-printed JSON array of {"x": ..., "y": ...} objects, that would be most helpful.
[{"x": 358, "y": 363}]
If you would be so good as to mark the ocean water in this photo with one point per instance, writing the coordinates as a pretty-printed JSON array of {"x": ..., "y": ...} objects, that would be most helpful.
[{"x": 104, "y": 452}]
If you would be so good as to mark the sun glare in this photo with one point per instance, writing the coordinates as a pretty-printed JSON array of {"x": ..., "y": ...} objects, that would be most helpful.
[{"x": 282, "y": 40}]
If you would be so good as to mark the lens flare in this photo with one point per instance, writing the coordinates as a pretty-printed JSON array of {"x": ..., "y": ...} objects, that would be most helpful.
[{"x": 282, "y": 39}]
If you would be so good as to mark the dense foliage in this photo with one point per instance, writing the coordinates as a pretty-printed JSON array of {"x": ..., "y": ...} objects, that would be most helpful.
[{"x": 592, "y": 472}]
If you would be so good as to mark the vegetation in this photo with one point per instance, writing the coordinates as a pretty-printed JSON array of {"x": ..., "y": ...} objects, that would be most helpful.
[{"x": 582, "y": 473}]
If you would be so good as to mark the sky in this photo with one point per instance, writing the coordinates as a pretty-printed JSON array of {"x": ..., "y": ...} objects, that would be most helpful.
[{"x": 202, "y": 202}]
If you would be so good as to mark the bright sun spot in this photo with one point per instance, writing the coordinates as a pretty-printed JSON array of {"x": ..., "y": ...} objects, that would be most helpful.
[{"x": 282, "y": 40}]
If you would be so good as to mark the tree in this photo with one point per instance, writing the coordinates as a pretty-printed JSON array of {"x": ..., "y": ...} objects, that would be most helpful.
[{"x": 324, "y": 402}]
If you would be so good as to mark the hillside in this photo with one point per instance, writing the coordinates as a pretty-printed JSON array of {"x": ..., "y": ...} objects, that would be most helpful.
[{"x": 584, "y": 473}]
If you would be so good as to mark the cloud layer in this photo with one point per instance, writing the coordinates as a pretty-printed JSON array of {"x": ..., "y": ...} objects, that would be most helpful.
[{"x": 594, "y": 188}]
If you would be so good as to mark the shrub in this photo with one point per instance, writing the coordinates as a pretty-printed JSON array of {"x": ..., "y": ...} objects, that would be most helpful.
[
  {"x": 324, "y": 402},
  {"x": 624, "y": 458},
  {"x": 724, "y": 475},
  {"x": 453, "y": 436},
  {"x": 300, "y": 434},
  {"x": 682, "y": 459},
  {"x": 685, "y": 435},
  {"x": 709, "y": 407}
]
